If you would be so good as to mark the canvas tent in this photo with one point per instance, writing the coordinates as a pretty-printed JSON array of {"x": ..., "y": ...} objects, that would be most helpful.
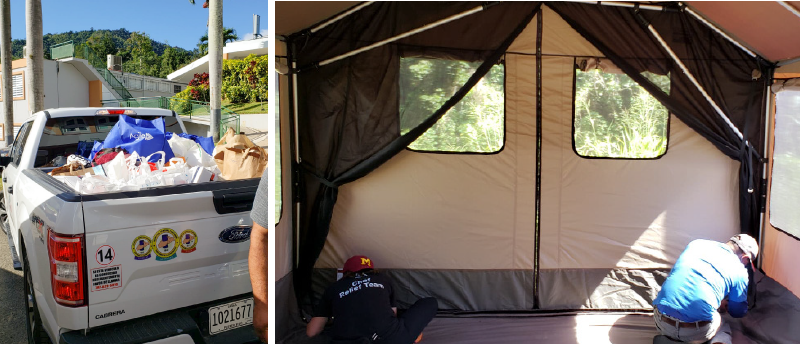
[{"x": 531, "y": 225}]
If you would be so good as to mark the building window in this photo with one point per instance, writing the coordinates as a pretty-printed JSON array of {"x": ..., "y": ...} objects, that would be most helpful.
[
  {"x": 614, "y": 117},
  {"x": 176, "y": 88},
  {"x": 17, "y": 86},
  {"x": 475, "y": 125},
  {"x": 785, "y": 189}
]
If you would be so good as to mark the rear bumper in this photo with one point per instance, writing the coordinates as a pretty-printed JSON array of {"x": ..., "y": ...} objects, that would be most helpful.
[{"x": 192, "y": 321}]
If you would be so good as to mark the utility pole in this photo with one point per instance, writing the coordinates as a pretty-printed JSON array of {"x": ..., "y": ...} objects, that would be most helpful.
[
  {"x": 215, "y": 64},
  {"x": 5, "y": 62},
  {"x": 34, "y": 76}
]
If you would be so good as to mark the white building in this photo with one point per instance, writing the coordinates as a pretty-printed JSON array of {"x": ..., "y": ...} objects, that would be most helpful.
[{"x": 72, "y": 82}]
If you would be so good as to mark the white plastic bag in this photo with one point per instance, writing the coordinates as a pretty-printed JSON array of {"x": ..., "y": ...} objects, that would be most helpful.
[
  {"x": 191, "y": 151},
  {"x": 71, "y": 181},
  {"x": 117, "y": 168}
]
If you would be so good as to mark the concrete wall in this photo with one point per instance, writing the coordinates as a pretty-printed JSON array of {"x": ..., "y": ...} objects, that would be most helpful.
[
  {"x": 73, "y": 88},
  {"x": 255, "y": 121},
  {"x": 195, "y": 128}
]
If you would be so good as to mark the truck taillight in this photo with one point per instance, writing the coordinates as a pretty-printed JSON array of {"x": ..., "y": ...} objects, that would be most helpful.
[{"x": 66, "y": 268}]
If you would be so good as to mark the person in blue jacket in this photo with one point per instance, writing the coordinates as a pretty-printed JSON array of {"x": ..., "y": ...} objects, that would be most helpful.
[{"x": 709, "y": 277}]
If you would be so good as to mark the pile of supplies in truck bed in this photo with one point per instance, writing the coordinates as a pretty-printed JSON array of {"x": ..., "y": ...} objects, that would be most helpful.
[{"x": 139, "y": 153}]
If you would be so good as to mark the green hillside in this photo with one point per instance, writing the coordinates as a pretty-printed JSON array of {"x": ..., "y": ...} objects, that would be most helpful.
[{"x": 140, "y": 54}]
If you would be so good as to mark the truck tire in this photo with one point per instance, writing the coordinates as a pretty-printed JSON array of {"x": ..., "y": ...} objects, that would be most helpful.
[
  {"x": 33, "y": 321},
  {"x": 3, "y": 213}
]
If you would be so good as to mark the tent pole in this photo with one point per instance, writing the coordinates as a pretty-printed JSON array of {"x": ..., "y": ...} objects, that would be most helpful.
[
  {"x": 694, "y": 81},
  {"x": 404, "y": 35},
  {"x": 723, "y": 34},
  {"x": 625, "y": 4},
  {"x": 685, "y": 8},
  {"x": 295, "y": 148},
  {"x": 790, "y": 8},
  {"x": 341, "y": 16},
  {"x": 765, "y": 166}
]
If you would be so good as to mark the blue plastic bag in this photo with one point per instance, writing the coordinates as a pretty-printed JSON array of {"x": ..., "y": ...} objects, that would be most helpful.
[
  {"x": 207, "y": 143},
  {"x": 141, "y": 136},
  {"x": 85, "y": 148},
  {"x": 98, "y": 145}
]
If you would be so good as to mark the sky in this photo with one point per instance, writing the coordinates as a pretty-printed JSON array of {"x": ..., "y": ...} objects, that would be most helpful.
[{"x": 174, "y": 21}]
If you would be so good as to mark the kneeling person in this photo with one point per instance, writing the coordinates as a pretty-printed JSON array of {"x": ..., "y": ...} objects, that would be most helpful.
[
  {"x": 707, "y": 276},
  {"x": 363, "y": 307}
]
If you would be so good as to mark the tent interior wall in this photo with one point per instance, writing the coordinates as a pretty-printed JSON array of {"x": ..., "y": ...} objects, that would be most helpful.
[{"x": 463, "y": 227}]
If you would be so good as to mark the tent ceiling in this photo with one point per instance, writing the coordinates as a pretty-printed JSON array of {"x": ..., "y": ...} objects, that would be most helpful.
[
  {"x": 293, "y": 16},
  {"x": 764, "y": 26}
]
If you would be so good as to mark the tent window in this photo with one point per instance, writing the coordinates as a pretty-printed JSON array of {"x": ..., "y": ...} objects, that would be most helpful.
[
  {"x": 475, "y": 125},
  {"x": 785, "y": 190},
  {"x": 614, "y": 117}
]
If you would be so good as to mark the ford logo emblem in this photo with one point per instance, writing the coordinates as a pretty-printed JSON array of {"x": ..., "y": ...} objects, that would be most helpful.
[{"x": 235, "y": 234}]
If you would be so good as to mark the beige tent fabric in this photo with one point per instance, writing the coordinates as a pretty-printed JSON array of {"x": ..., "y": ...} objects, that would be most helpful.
[
  {"x": 446, "y": 211},
  {"x": 559, "y": 38},
  {"x": 780, "y": 255},
  {"x": 606, "y": 213},
  {"x": 462, "y": 211}
]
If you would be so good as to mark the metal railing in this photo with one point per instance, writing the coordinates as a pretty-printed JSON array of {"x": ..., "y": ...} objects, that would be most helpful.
[
  {"x": 189, "y": 109},
  {"x": 100, "y": 65},
  {"x": 62, "y": 51}
]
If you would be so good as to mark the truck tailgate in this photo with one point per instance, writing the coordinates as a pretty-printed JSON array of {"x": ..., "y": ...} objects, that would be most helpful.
[{"x": 155, "y": 253}]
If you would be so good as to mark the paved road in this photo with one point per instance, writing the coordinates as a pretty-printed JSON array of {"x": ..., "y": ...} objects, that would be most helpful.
[{"x": 12, "y": 308}]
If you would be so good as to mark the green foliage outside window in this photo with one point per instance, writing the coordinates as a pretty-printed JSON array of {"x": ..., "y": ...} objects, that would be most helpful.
[
  {"x": 617, "y": 118},
  {"x": 475, "y": 124}
]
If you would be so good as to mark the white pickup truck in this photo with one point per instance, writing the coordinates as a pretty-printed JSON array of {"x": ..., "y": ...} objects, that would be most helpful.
[{"x": 159, "y": 265}]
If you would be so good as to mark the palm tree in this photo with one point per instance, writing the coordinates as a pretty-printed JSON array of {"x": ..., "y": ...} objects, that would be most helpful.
[
  {"x": 5, "y": 62},
  {"x": 228, "y": 35},
  {"x": 34, "y": 76}
]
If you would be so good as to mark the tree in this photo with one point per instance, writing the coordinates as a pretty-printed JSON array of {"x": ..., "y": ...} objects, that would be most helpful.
[
  {"x": 228, "y": 35},
  {"x": 171, "y": 60},
  {"x": 138, "y": 56},
  {"x": 34, "y": 78},
  {"x": 5, "y": 61},
  {"x": 102, "y": 43},
  {"x": 215, "y": 43}
]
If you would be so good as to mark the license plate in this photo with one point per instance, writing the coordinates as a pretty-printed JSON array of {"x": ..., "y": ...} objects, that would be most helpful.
[{"x": 230, "y": 316}]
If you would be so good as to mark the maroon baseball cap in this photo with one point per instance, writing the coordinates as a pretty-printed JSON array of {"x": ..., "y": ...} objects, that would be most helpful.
[{"x": 357, "y": 263}]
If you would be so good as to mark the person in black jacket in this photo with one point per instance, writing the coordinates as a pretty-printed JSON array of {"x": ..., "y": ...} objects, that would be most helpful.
[{"x": 364, "y": 310}]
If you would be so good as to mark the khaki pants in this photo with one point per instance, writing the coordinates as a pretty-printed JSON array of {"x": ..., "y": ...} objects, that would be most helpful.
[{"x": 717, "y": 331}]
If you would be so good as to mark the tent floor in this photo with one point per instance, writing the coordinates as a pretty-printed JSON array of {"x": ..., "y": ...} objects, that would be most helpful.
[
  {"x": 581, "y": 328},
  {"x": 772, "y": 319}
]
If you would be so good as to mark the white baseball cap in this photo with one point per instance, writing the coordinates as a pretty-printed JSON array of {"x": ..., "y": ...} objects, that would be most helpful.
[{"x": 747, "y": 244}]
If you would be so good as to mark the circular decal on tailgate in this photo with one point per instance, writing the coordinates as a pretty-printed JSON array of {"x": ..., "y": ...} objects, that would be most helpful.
[
  {"x": 165, "y": 244},
  {"x": 188, "y": 241},
  {"x": 141, "y": 247}
]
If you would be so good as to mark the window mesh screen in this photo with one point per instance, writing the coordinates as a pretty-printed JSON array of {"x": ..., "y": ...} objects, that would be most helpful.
[
  {"x": 474, "y": 125},
  {"x": 785, "y": 190},
  {"x": 617, "y": 118}
]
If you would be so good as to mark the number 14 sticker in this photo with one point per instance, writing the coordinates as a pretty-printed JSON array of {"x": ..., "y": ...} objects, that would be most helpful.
[{"x": 105, "y": 255}]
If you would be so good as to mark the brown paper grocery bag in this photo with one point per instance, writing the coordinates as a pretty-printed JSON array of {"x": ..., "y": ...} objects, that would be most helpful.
[
  {"x": 74, "y": 169},
  {"x": 238, "y": 161}
]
